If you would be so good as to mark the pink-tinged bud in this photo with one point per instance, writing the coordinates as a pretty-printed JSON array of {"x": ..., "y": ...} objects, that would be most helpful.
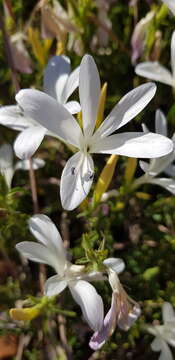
[
  {"x": 21, "y": 58},
  {"x": 139, "y": 35},
  {"x": 123, "y": 312},
  {"x": 99, "y": 337}
]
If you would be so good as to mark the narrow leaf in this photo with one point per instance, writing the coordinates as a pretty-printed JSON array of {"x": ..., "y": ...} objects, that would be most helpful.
[
  {"x": 101, "y": 105},
  {"x": 130, "y": 169},
  {"x": 105, "y": 177},
  {"x": 38, "y": 49}
]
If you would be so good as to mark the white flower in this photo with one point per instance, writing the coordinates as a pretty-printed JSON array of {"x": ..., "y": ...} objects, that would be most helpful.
[
  {"x": 50, "y": 251},
  {"x": 77, "y": 176},
  {"x": 164, "y": 334},
  {"x": 170, "y": 4},
  {"x": 155, "y": 71},
  {"x": 7, "y": 166},
  {"x": 123, "y": 312},
  {"x": 58, "y": 83},
  {"x": 164, "y": 163}
]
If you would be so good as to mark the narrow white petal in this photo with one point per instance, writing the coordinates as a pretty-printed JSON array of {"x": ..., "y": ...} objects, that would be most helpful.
[
  {"x": 46, "y": 232},
  {"x": 161, "y": 123},
  {"x": 89, "y": 91},
  {"x": 133, "y": 315},
  {"x": 99, "y": 337},
  {"x": 54, "y": 285},
  {"x": 156, "y": 344},
  {"x": 166, "y": 352},
  {"x": 28, "y": 141},
  {"x": 12, "y": 117},
  {"x": 170, "y": 335},
  {"x": 25, "y": 164},
  {"x": 6, "y": 163},
  {"x": 171, "y": 342},
  {"x": 50, "y": 114},
  {"x": 155, "y": 71},
  {"x": 6, "y": 156},
  {"x": 38, "y": 163},
  {"x": 8, "y": 175},
  {"x": 127, "y": 108},
  {"x": 167, "y": 312},
  {"x": 90, "y": 302},
  {"x": 170, "y": 4},
  {"x": 144, "y": 166},
  {"x": 152, "y": 330},
  {"x": 173, "y": 55},
  {"x": 73, "y": 107},
  {"x": 56, "y": 75},
  {"x": 145, "y": 128},
  {"x": 76, "y": 180},
  {"x": 71, "y": 84},
  {"x": 168, "y": 184},
  {"x": 115, "y": 264},
  {"x": 36, "y": 252},
  {"x": 139, "y": 145},
  {"x": 170, "y": 170},
  {"x": 160, "y": 164}
]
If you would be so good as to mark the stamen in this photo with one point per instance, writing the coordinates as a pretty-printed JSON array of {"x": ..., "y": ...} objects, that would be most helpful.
[
  {"x": 88, "y": 176},
  {"x": 73, "y": 170}
]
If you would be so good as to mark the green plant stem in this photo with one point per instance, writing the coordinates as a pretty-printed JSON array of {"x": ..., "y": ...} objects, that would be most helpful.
[{"x": 9, "y": 55}]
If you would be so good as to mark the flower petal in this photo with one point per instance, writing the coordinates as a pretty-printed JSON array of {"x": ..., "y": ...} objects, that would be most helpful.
[
  {"x": 37, "y": 252},
  {"x": 115, "y": 264},
  {"x": 28, "y": 141},
  {"x": 173, "y": 55},
  {"x": 156, "y": 344},
  {"x": 6, "y": 156},
  {"x": 71, "y": 84},
  {"x": 167, "y": 312},
  {"x": 139, "y": 145},
  {"x": 160, "y": 164},
  {"x": 144, "y": 166},
  {"x": 154, "y": 71},
  {"x": 132, "y": 316},
  {"x": 6, "y": 163},
  {"x": 99, "y": 337},
  {"x": 168, "y": 184},
  {"x": 50, "y": 114},
  {"x": 128, "y": 107},
  {"x": 90, "y": 302},
  {"x": 145, "y": 128},
  {"x": 89, "y": 92},
  {"x": 170, "y": 333},
  {"x": 152, "y": 330},
  {"x": 12, "y": 117},
  {"x": 170, "y": 170},
  {"x": 25, "y": 164},
  {"x": 56, "y": 75},
  {"x": 166, "y": 352},
  {"x": 73, "y": 107},
  {"x": 76, "y": 180},
  {"x": 46, "y": 232},
  {"x": 54, "y": 285},
  {"x": 161, "y": 123}
]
